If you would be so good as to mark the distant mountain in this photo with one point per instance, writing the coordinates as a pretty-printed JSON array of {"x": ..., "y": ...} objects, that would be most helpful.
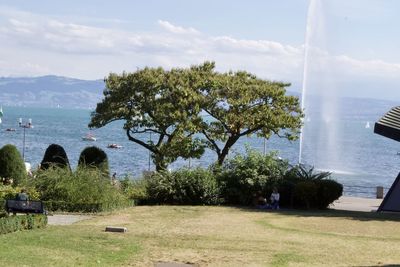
[{"x": 50, "y": 91}]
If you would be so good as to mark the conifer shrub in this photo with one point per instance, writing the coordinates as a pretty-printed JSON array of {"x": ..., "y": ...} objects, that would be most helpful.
[
  {"x": 55, "y": 156},
  {"x": 12, "y": 165},
  {"x": 312, "y": 189},
  {"x": 328, "y": 191},
  {"x": 94, "y": 157}
]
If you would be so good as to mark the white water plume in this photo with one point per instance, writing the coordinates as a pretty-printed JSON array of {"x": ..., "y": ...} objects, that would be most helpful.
[{"x": 318, "y": 138}]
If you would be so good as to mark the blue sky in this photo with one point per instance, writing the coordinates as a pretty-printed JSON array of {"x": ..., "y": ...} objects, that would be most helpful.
[{"x": 354, "y": 43}]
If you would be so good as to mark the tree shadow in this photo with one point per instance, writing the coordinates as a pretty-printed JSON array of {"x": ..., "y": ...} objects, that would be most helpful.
[{"x": 354, "y": 215}]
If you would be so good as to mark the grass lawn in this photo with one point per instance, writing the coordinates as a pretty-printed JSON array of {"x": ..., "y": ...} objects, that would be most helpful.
[{"x": 211, "y": 236}]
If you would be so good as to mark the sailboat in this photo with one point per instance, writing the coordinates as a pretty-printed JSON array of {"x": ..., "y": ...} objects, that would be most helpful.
[
  {"x": 367, "y": 125},
  {"x": 1, "y": 113},
  {"x": 89, "y": 137}
]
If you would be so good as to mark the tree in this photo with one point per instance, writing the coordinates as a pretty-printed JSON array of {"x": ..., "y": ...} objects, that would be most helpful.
[
  {"x": 240, "y": 104},
  {"x": 163, "y": 103},
  {"x": 12, "y": 165},
  {"x": 56, "y": 156},
  {"x": 95, "y": 157}
]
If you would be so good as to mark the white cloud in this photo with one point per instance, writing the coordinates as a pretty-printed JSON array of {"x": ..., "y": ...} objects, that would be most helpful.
[
  {"x": 36, "y": 44},
  {"x": 176, "y": 29}
]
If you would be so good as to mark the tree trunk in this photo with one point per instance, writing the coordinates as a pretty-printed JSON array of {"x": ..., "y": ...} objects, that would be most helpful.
[{"x": 229, "y": 143}]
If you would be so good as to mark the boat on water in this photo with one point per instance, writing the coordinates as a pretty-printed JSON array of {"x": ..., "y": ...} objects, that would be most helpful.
[
  {"x": 89, "y": 137},
  {"x": 10, "y": 130},
  {"x": 367, "y": 125},
  {"x": 114, "y": 146}
]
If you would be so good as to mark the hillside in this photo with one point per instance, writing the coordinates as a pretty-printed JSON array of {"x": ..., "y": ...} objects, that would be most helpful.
[{"x": 50, "y": 91}]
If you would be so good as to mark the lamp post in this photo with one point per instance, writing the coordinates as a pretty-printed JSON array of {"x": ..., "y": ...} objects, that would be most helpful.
[
  {"x": 149, "y": 154},
  {"x": 24, "y": 126}
]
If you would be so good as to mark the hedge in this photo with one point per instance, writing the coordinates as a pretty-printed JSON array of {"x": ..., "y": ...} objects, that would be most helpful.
[
  {"x": 22, "y": 222},
  {"x": 85, "y": 207}
]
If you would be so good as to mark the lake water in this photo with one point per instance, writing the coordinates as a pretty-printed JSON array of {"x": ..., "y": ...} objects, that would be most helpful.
[{"x": 362, "y": 158}]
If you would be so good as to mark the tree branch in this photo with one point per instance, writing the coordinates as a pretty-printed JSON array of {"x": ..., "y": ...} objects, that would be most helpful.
[
  {"x": 217, "y": 149},
  {"x": 137, "y": 141}
]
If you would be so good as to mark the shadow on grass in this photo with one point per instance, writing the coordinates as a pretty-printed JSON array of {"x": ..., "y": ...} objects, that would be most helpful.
[{"x": 355, "y": 215}]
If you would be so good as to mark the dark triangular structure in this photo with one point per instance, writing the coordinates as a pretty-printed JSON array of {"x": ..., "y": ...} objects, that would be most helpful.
[
  {"x": 391, "y": 202},
  {"x": 389, "y": 126}
]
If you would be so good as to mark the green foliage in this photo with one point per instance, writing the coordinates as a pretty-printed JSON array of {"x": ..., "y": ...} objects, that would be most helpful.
[
  {"x": 135, "y": 189},
  {"x": 12, "y": 165},
  {"x": 94, "y": 157},
  {"x": 163, "y": 103},
  {"x": 242, "y": 176},
  {"x": 328, "y": 191},
  {"x": 55, "y": 155},
  {"x": 22, "y": 222},
  {"x": 305, "y": 194},
  {"x": 86, "y": 188},
  {"x": 86, "y": 207},
  {"x": 313, "y": 189},
  {"x": 303, "y": 172},
  {"x": 183, "y": 187},
  {"x": 241, "y": 104},
  {"x": 9, "y": 192}
]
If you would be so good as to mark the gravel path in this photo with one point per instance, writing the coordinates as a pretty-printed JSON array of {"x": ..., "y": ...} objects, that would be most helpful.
[{"x": 65, "y": 219}]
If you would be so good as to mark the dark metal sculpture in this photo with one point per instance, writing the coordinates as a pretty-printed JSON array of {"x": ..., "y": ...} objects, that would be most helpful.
[{"x": 389, "y": 126}]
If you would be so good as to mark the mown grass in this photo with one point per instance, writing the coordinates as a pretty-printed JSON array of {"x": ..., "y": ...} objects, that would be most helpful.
[{"x": 212, "y": 236}]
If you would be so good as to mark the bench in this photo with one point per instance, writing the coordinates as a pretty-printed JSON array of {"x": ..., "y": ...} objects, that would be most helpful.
[{"x": 23, "y": 206}]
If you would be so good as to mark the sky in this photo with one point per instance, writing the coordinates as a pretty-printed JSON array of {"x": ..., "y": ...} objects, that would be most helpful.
[{"x": 353, "y": 44}]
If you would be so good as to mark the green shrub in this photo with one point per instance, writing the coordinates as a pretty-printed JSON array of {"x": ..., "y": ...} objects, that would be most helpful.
[
  {"x": 242, "y": 176},
  {"x": 184, "y": 187},
  {"x": 328, "y": 191},
  {"x": 85, "y": 186},
  {"x": 55, "y": 155},
  {"x": 305, "y": 194},
  {"x": 9, "y": 192},
  {"x": 86, "y": 207},
  {"x": 96, "y": 158},
  {"x": 22, "y": 222},
  {"x": 135, "y": 190},
  {"x": 12, "y": 165},
  {"x": 306, "y": 188}
]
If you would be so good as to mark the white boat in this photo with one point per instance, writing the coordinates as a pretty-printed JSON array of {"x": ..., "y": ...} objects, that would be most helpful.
[
  {"x": 114, "y": 146},
  {"x": 89, "y": 137},
  {"x": 367, "y": 125}
]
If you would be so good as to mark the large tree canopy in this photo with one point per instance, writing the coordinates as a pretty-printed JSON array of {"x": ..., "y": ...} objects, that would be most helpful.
[
  {"x": 169, "y": 105},
  {"x": 164, "y": 103},
  {"x": 241, "y": 104}
]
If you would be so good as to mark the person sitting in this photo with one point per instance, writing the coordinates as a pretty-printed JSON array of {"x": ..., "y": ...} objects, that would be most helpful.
[
  {"x": 274, "y": 198},
  {"x": 22, "y": 196},
  {"x": 258, "y": 200}
]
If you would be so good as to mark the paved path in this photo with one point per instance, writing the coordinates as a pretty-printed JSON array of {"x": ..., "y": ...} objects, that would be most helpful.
[
  {"x": 356, "y": 204},
  {"x": 65, "y": 219}
]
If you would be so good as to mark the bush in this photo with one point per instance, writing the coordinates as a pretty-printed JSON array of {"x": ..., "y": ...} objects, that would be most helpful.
[
  {"x": 85, "y": 187},
  {"x": 183, "y": 187},
  {"x": 55, "y": 156},
  {"x": 243, "y": 176},
  {"x": 135, "y": 190},
  {"x": 312, "y": 189},
  {"x": 328, "y": 191},
  {"x": 12, "y": 165},
  {"x": 305, "y": 194},
  {"x": 9, "y": 192},
  {"x": 22, "y": 222},
  {"x": 96, "y": 158}
]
